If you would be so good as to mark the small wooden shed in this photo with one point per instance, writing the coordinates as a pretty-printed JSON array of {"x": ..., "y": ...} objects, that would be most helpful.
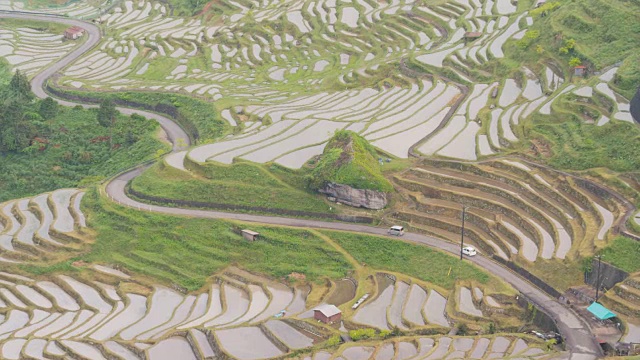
[
  {"x": 250, "y": 235},
  {"x": 580, "y": 70},
  {"x": 73, "y": 32},
  {"x": 327, "y": 313},
  {"x": 472, "y": 35}
]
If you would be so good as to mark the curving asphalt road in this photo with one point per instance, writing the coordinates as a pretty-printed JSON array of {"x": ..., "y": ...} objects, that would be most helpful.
[{"x": 581, "y": 343}]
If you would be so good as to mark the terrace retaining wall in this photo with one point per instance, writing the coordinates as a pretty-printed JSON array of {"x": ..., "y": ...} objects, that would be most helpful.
[
  {"x": 635, "y": 106},
  {"x": 609, "y": 275},
  {"x": 537, "y": 317},
  {"x": 541, "y": 284}
]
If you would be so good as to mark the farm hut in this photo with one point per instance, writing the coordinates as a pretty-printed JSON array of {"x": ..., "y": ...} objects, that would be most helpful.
[
  {"x": 327, "y": 313},
  {"x": 471, "y": 35},
  {"x": 579, "y": 70},
  {"x": 73, "y": 32},
  {"x": 250, "y": 235},
  {"x": 601, "y": 312}
]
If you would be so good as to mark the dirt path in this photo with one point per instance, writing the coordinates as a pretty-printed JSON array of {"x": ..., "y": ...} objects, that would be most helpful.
[{"x": 580, "y": 341}]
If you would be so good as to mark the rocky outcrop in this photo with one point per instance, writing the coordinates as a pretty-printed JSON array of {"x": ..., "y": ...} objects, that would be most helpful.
[{"x": 345, "y": 194}]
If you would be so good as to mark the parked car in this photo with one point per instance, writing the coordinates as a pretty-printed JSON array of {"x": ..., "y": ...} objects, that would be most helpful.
[
  {"x": 396, "y": 230},
  {"x": 469, "y": 251}
]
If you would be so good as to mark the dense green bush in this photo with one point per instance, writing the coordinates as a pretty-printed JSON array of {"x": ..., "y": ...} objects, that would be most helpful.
[
  {"x": 72, "y": 150},
  {"x": 362, "y": 334}
]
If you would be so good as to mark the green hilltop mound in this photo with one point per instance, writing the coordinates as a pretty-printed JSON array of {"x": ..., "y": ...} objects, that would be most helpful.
[
  {"x": 349, "y": 159},
  {"x": 348, "y": 172}
]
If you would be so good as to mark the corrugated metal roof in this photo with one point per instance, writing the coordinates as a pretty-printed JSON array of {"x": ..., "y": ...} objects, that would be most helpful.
[
  {"x": 328, "y": 310},
  {"x": 600, "y": 311}
]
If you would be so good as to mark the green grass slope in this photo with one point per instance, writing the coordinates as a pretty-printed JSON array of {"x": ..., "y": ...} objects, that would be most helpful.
[
  {"x": 187, "y": 251},
  {"x": 242, "y": 183},
  {"x": 350, "y": 160},
  {"x": 605, "y": 32}
]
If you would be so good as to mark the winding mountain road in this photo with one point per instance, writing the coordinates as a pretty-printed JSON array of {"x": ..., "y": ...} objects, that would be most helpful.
[{"x": 580, "y": 341}]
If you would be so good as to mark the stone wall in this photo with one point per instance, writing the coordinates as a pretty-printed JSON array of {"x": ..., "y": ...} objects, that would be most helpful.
[
  {"x": 536, "y": 316},
  {"x": 609, "y": 275},
  {"x": 345, "y": 194},
  {"x": 635, "y": 106}
]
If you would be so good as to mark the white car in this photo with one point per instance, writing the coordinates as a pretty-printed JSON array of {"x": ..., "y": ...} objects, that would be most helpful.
[
  {"x": 396, "y": 230},
  {"x": 469, "y": 251}
]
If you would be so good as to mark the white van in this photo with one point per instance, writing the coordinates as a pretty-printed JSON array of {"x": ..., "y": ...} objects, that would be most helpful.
[
  {"x": 396, "y": 230},
  {"x": 469, "y": 251}
]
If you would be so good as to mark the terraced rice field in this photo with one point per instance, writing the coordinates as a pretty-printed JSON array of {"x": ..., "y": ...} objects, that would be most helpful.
[
  {"x": 38, "y": 227},
  {"x": 291, "y": 80},
  {"x": 409, "y": 306},
  {"x": 266, "y": 75},
  {"x": 443, "y": 347},
  {"x": 69, "y": 316},
  {"x": 82, "y": 10},
  {"x": 100, "y": 317},
  {"x": 30, "y": 50},
  {"x": 515, "y": 209},
  {"x": 625, "y": 298}
]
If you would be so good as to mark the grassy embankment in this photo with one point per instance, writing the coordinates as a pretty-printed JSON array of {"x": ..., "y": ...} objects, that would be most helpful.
[
  {"x": 418, "y": 261},
  {"x": 623, "y": 253},
  {"x": 271, "y": 185},
  {"x": 242, "y": 183},
  {"x": 187, "y": 251}
]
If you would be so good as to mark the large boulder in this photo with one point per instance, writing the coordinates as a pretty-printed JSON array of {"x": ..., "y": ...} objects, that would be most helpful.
[{"x": 365, "y": 198}]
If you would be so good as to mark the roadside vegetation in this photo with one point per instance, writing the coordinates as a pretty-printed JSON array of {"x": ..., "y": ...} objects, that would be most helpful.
[
  {"x": 199, "y": 118},
  {"x": 348, "y": 159},
  {"x": 186, "y": 251}
]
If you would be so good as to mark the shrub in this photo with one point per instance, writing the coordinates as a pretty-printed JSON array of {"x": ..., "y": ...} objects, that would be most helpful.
[
  {"x": 362, "y": 334},
  {"x": 334, "y": 340}
]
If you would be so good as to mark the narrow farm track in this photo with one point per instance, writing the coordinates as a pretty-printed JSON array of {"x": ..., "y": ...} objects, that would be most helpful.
[{"x": 581, "y": 343}]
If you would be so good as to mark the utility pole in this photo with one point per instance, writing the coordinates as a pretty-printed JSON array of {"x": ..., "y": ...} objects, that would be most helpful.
[
  {"x": 599, "y": 257},
  {"x": 464, "y": 209}
]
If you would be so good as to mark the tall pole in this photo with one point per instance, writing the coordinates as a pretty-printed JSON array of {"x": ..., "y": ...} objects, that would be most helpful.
[
  {"x": 599, "y": 257},
  {"x": 464, "y": 209}
]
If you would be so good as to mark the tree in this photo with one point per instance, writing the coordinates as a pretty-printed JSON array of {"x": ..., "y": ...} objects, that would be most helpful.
[
  {"x": 107, "y": 113},
  {"x": 15, "y": 130},
  {"x": 570, "y": 44},
  {"x": 48, "y": 109},
  {"x": 575, "y": 62},
  {"x": 19, "y": 87}
]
